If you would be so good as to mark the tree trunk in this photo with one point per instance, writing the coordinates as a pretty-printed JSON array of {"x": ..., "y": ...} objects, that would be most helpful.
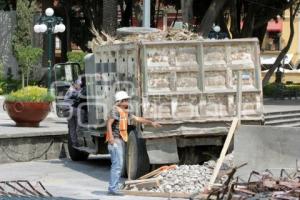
[
  {"x": 65, "y": 36},
  {"x": 235, "y": 23},
  {"x": 23, "y": 79},
  {"x": 210, "y": 16},
  {"x": 187, "y": 11},
  {"x": 152, "y": 13},
  {"x": 283, "y": 52},
  {"x": 260, "y": 33},
  {"x": 248, "y": 23},
  {"x": 223, "y": 24},
  {"x": 126, "y": 14},
  {"x": 110, "y": 16}
]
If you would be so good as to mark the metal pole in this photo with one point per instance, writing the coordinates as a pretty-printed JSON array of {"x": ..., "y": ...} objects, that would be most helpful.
[
  {"x": 49, "y": 59},
  {"x": 146, "y": 13}
]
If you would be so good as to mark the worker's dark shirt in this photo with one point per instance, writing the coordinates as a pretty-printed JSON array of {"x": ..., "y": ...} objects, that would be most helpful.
[
  {"x": 114, "y": 114},
  {"x": 81, "y": 100}
]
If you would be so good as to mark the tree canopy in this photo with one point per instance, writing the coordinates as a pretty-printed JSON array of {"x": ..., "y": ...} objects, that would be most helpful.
[{"x": 238, "y": 18}]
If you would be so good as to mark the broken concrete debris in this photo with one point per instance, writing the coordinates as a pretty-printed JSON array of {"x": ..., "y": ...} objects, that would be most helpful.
[
  {"x": 192, "y": 180},
  {"x": 183, "y": 178},
  {"x": 170, "y": 35}
]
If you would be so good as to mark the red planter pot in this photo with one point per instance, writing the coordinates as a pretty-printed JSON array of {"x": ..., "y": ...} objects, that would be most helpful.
[{"x": 27, "y": 114}]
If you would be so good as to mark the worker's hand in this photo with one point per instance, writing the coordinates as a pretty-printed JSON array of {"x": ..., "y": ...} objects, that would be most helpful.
[
  {"x": 111, "y": 141},
  {"x": 155, "y": 124}
]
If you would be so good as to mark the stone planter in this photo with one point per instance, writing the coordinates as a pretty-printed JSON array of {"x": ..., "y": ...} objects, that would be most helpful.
[{"x": 27, "y": 114}]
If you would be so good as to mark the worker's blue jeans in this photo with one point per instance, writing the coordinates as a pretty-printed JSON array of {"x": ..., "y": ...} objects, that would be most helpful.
[{"x": 116, "y": 152}]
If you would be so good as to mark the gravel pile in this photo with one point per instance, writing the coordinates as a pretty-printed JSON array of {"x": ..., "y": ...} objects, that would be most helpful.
[{"x": 189, "y": 178}]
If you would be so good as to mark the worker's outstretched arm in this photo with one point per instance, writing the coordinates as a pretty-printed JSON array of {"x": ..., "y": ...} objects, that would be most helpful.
[
  {"x": 146, "y": 121},
  {"x": 109, "y": 123}
]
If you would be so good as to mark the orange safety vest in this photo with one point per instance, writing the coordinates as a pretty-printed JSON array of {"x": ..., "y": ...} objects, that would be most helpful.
[{"x": 123, "y": 124}]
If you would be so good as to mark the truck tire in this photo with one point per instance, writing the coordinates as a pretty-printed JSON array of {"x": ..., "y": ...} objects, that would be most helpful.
[
  {"x": 137, "y": 160},
  {"x": 75, "y": 154}
]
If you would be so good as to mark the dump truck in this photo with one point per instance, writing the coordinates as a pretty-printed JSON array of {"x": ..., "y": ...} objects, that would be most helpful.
[{"x": 193, "y": 88}]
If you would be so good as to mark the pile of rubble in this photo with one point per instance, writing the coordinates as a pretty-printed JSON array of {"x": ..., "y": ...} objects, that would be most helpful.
[
  {"x": 187, "y": 178},
  {"x": 183, "y": 178},
  {"x": 102, "y": 38},
  {"x": 192, "y": 180}
]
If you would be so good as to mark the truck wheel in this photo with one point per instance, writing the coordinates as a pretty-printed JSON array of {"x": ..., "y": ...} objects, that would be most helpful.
[
  {"x": 137, "y": 161},
  {"x": 75, "y": 154}
]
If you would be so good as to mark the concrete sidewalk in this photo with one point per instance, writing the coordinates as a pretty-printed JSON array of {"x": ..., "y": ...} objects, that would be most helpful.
[
  {"x": 65, "y": 178},
  {"x": 48, "y": 141},
  {"x": 50, "y": 126}
]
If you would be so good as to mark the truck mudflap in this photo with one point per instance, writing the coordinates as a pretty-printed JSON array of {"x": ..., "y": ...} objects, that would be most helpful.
[
  {"x": 162, "y": 145},
  {"x": 165, "y": 150},
  {"x": 162, "y": 151}
]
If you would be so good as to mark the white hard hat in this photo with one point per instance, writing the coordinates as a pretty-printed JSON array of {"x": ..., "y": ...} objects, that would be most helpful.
[{"x": 120, "y": 95}]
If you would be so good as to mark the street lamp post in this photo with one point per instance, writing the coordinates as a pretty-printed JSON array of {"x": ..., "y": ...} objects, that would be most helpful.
[{"x": 49, "y": 24}]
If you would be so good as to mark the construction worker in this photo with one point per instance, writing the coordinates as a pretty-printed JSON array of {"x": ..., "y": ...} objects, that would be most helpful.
[{"x": 117, "y": 136}]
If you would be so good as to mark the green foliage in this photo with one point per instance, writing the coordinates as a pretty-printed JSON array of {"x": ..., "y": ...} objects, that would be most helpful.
[
  {"x": 3, "y": 4},
  {"x": 293, "y": 87},
  {"x": 30, "y": 94},
  {"x": 77, "y": 57},
  {"x": 1, "y": 87},
  {"x": 9, "y": 85},
  {"x": 271, "y": 89},
  {"x": 24, "y": 22},
  {"x": 1, "y": 70},
  {"x": 28, "y": 56}
]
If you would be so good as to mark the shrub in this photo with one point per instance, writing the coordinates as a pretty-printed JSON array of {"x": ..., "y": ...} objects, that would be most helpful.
[
  {"x": 77, "y": 57},
  {"x": 270, "y": 89},
  {"x": 30, "y": 94},
  {"x": 273, "y": 88},
  {"x": 293, "y": 87},
  {"x": 27, "y": 57}
]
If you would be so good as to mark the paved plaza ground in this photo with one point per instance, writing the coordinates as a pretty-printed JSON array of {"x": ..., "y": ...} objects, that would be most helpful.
[{"x": 81, "y": 180}]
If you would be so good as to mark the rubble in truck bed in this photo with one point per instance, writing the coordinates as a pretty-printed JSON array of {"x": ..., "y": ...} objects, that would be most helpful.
[{"x": 169, "y": 35}]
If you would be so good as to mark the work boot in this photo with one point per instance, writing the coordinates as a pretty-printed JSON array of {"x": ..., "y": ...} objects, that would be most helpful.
[{"x": 115, "y": 193}]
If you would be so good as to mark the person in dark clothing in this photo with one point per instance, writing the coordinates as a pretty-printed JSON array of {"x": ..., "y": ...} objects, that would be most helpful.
[
  {"x": 70, "y": 98},
  {"x": 81, "y": 102},
  {"x": 78, "y": 111}
]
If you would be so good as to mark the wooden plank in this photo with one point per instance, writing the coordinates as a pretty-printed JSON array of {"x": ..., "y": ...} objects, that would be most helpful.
[
  {"x": 141, "y": 181},
  {"x": 223, "y": 152},
  {"x": 153, "y": 173},
  {"x": 148, "y": 185},
  {"x": 163, "y": 194}
]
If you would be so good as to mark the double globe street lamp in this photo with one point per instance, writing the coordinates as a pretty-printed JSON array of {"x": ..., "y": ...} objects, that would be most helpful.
[{"x": 50, "y": 25}]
